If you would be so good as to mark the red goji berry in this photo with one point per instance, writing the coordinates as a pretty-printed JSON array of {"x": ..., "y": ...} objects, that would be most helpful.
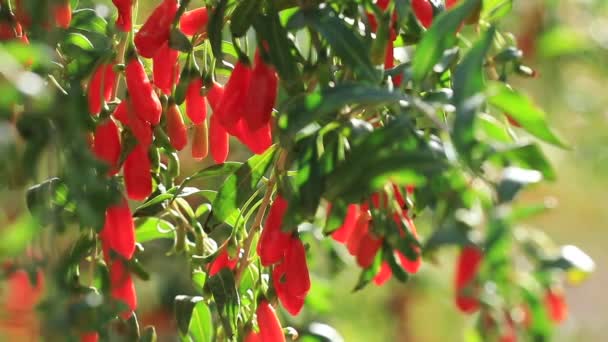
[
  {"x": 273, "y": 241},
  {"x": 196, "y": 108},
  {"x": 466, "y": 270},
  {"x": 156, "y": 29},
  {"x": 350, "y": 220},
  {"x": 261, "y": 95},
  {"x": 89, "y": 337},
  {"x": 193, "y": 22},
  {"x": 293, "y": 304},
  {"x": 219, "y": 140},
  {"x": 215, "y": 94},
  {"x": 138, "y": 179},
  {"x": 383, "y": 275},
  {"x": 200, "y": 145},
  {"x": 124, "y": 22},
  {"x": 557, "y": 309},
  {"x": 122, "y": 287},
  {"x": 106, "y": 144},
  {"x": 223, "y": 260},
  {"x": 146, "y": 103},
  {"x": 104, "y": 76},
  {"x": 270, "y": 326},
  {"x": 252, "y": 336},
  {"x": 257, "y": 141},
  {"x": 410, "y": 266},
  {"x": 140, "y": 129},
  {"x": 368, "y": 248},
  {"x": 423, "y": 10},
  {"x": 298, "y": 278},
  {"x": 62, "y": 12},
  {"x": 22, "y": 294},
  {"x": 232, "y": 106},
  {"x": 176, "y": 129},
  {"x": 361, "y": 228},
  {"x": 165, "y": 68},
  {"x": 118, "y": 233}
]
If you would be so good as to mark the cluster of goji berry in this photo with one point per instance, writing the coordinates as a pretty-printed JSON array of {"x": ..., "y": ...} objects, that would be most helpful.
[{"x": 14, "y": 24}]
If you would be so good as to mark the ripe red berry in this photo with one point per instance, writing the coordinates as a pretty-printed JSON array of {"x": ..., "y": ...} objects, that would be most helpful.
[
  {"x": 252, "y": 336},
  {"x": 423, "y": 10},
  {"x": 232, "y": 105},
  {"x": 219, "y": 140},
  {"x": 121, "y": 286},
  {"x": 361, "y": 228},
  {"x": 165, "y": 68},
  {"x": 270, "y": 327},
  {"x": 196, "y": 108},
  {"x": 368, "y": 248},
  {"x": 557, "y": 308},
  {"x": 293, "y": 304},
  {"x": 200, "y": 144},
  {"x": 146, "y": 103},
  {"x": 118, "y": 233},
  {"x": 124, "y": 22},
  {"x": 104, "y": 76},
  {"x": 89, "y": 337},
  {"x": 176, "y": 129},
  {"x": 62, "y": 12},
  {"x": 466, "y": 270},
  {"x": 261, "y": 95},
  {"x": 138, "y": 179},
  {"x": 106, "y": 144},
  {"x": 383, "y": 275},
  {"x": 193, "y": 22},
  {"x": 343, "y": 233},
  {"x": 273, "y": 241},
  {"x": 156, "y": 29},
  {"x": 223, "y": 260}
]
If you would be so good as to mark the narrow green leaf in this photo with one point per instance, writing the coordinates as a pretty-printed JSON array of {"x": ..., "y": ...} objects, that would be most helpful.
[
  {"x": 240, "y": 185},
  {"x": 201, "y": 323},
  {"x": 226, "y": 298},
  {"x": 214, "y": 28},
  {"x": 152, "y": 228},
  {"x": 184, "y": 306},
  {"x": 528, "y": 156},
  {"x": 521, "y": 109},
  {"x": 243, "y": 16}
]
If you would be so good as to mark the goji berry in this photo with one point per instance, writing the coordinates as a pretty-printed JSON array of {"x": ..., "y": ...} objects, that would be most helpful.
[
  {"x": 118, "y": 233},
  {"x": 196, "y": 108},
  {"x": 219, "y": 140},
  {"x": 104, "y": 76},
  {"x": 270, "y": 326},
  {"x": 200, "y": 145},
  {"x": 555, "y": 303},
  {"x": 62, "y": 11},
  {"x": 122, "y": 288},
  {"x": 165, "y": 68},
  {"x": 273, "y": 241},
  {"x": 176, "y": 129},
  {"x": 146, "y": 103},
  {"x": 223, "y": 260},
  {"x": 261, "y": 95},
  {"x": 423, "y": 10},
  {"x": 193, "y": 22},
  {"x": 232, "y": 106},
  {"x": 106, "y": 144},
  {"x": 124, "y": 22},
  {"x": 156, "y": 29},
  {"x": 466, "y": 270},
  {"x": 343, "y": 233},
  {"x": 138, "y": 179}
]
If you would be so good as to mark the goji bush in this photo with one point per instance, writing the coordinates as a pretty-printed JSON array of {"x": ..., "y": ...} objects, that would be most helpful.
[{"x": 358, "y": 117}]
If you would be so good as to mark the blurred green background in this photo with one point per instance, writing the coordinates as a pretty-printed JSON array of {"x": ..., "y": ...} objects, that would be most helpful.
[{"x": 566, "y": 42}]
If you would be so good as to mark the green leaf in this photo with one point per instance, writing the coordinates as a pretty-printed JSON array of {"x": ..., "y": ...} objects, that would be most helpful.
[
  {"x": 489, "y": 127},
  {"x": 201, "y": 323},
  {"x": 16, "y": 236},
  {"x": 212, "y": 171},
  {"x": 149, "y": 334},
  {"x": 346, "y": 44},
  {"x": 521, "y": 109},
  {"x": 184, "y": 305},
  {"x": 561, "y": 41},
  {"x": 153, "y": 228},
  {"x": 528, "y": 156},
  {"x": 226, "y": 298},
  {"x": 495, "y": 9},
  {"x": 468, "y": 87},
  {"x": 243, "y": 16},
  {"x": 368, "y": 274},
  {"x": 303, "y": 109},
  {"x": 439, "y": 37},
  {"x": 87, "y": 19},
  {"x": 240, "y": 185},
  {"x": 214, "y": 28},
  {"x": 179, "y": 42},
  {"x": 75, "y": 43}
]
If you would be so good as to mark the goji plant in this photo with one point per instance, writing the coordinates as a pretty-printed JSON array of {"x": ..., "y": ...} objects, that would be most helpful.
[{"x": 332, "y": 126}]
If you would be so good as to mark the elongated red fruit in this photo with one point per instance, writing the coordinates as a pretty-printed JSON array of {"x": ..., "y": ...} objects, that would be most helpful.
[
  {"x": 156, "y": 29},
  {"x": 122, "y": 287},
  {"x": 138, "y": 179},
  {"x": 165, "y": 68},
  {"x": 261, "y": 95},
  {"x": 273, "y": 241},
  {"x": 557, "y": 308},
  {"x": 450, "y": 3},
  {"x": 196, "y": 108},
  {"x": 270, "y": 326},
  {"x": 410, "y": 266},
  {"x": 257, "y": 141},
  {"x": 361, "y": 228},
  {"x": 368, "y": 248},
  {"x": 292, "y": 303},
  {"x": 104, "y": 76},
  {"x": 23, "y": 295},
  {"x": 176, "y": 129},
  {"x": 252, "y": 336},
  {"x": 124, "y": 22},
  {"x": 350, "y": 220},
  {"x": 62, "y": 12},
  {"x": 193, "y": 22},
  {"x": 145, "y": 101},
  {"x": 200, "y": 144},
  {"x": 106, "y": 144},
  {"x": 219, "y": 140},
  {"x": 215, "y": 95},
  {"x": 423, "y": 10},
  {"x": 141, "y": 130},
  {"x": 466, "y": 270},
  {"x": 383, "y": 275},
  {"x": 89, "y": 337},
  {"x": 232, "y": 106},
  {"x": 222, "y": 261},
  {"x": 118, "y": 231},
  {"x": 298, "y": 279}
]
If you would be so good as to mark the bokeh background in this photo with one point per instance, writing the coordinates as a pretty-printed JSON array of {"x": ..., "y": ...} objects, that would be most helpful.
[{"x": 566, "y": 42}]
